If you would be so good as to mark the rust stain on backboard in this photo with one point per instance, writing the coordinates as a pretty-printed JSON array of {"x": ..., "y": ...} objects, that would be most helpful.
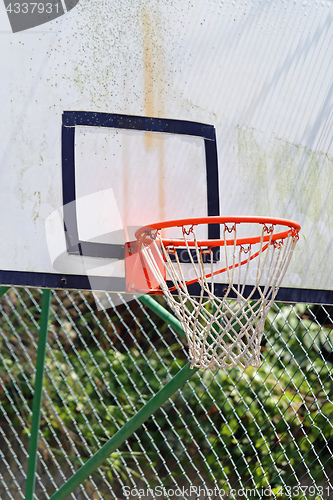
[
  {"x": 153, "y": 62},
  {"x": 148, "y": 65}
]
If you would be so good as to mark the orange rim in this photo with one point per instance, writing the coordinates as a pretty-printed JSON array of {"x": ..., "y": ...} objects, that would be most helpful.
[{"x": 293, "y": 227}]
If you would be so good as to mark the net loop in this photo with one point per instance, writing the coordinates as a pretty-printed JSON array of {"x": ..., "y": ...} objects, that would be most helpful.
[
  {"x": 277, "y": 243},
  {"x": 230, "y": 229},
  {"x": 149, "y": 234},
  {"x": 294, "y": 234},
  {"x": 187, "y": 232},
  {"x": 268, "y": 229},
  {"x": 244, "y": 249},
  {"x": 171, "y": 250}
]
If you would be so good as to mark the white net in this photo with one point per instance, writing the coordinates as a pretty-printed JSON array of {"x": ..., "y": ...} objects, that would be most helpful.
[{"x": 224, "y": 329}]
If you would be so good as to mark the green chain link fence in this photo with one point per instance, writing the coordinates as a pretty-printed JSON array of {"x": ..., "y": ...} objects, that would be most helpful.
[{"x": 263, "y": 433}]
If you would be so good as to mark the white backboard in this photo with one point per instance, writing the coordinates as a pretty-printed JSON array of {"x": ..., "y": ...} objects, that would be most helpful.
[{"x": 120, "y": 114}]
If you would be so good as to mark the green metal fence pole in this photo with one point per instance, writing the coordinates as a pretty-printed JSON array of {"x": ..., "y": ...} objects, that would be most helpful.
[
  {"x": 125, "y": 432},
  {"x": 162, "y": 313},
  {"x": 3, "y": 290},
  {"x": 38, "y": 391}
]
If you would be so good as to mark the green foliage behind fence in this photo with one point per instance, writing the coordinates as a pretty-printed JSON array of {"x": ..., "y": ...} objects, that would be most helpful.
[{"x": 270, "y": 427}]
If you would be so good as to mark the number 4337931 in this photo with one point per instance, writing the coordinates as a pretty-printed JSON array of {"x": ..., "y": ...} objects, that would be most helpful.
[{"x": 33, "y": 8}]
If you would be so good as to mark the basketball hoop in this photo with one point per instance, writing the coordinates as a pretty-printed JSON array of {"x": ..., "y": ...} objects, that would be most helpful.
[{"x": 237, "y": 277}]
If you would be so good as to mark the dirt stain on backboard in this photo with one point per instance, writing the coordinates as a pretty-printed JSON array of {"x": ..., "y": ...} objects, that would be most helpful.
[{"x": 153, "y": 57}]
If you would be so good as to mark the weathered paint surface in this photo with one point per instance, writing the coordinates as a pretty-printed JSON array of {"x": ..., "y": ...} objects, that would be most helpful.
[{"x": 260, "y": 71}]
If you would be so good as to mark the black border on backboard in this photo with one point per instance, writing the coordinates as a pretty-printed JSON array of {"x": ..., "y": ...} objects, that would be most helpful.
[
  {"x": 72, "y": 119},
  {"x": 80, "y": 282},
  {"x": 111, "y": 284}
]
